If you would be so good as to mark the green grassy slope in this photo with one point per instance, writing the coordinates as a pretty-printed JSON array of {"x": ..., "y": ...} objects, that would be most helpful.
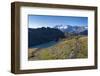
[{"x": 62, "y": 50}]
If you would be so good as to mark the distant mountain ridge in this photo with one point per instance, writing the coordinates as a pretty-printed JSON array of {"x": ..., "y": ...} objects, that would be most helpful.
[
  {"x": 37, "y": 36},
  {"x": 71, "y": 29},
  {"x": 43, "y": 35}
]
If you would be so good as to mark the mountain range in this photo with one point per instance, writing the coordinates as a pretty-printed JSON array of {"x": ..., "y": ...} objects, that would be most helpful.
[{"x": 72, "y": 29}]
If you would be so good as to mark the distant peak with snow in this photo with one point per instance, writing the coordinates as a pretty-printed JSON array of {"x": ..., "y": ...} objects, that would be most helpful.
[{"x": 70, "y": 28}]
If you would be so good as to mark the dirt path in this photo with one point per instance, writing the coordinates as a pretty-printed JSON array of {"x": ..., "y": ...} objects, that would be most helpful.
[
  {"x": 38, "y": 49},
  {"x": 33, "y": 54}
]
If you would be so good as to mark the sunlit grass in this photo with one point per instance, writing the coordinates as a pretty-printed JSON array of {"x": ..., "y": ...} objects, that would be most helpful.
[{"x": 61, "y": 50}]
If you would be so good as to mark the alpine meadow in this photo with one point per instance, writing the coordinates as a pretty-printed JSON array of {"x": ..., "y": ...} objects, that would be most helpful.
[{"x": 57, "y": 37}]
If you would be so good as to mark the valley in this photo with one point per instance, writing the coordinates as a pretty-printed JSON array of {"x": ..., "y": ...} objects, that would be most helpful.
[{"x": 67, "y": 48}]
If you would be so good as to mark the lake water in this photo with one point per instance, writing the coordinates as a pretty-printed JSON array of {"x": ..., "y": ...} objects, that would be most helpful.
[{"x": 45, "y": 45}]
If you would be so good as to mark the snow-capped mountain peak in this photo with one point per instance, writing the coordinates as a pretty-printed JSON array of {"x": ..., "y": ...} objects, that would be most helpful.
[
  {"x": 69, "y": 28},
  {"x": 61, "y": 27}
]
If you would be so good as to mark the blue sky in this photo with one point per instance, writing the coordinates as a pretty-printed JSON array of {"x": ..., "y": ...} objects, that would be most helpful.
[{"x": 35, "y": 21}]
